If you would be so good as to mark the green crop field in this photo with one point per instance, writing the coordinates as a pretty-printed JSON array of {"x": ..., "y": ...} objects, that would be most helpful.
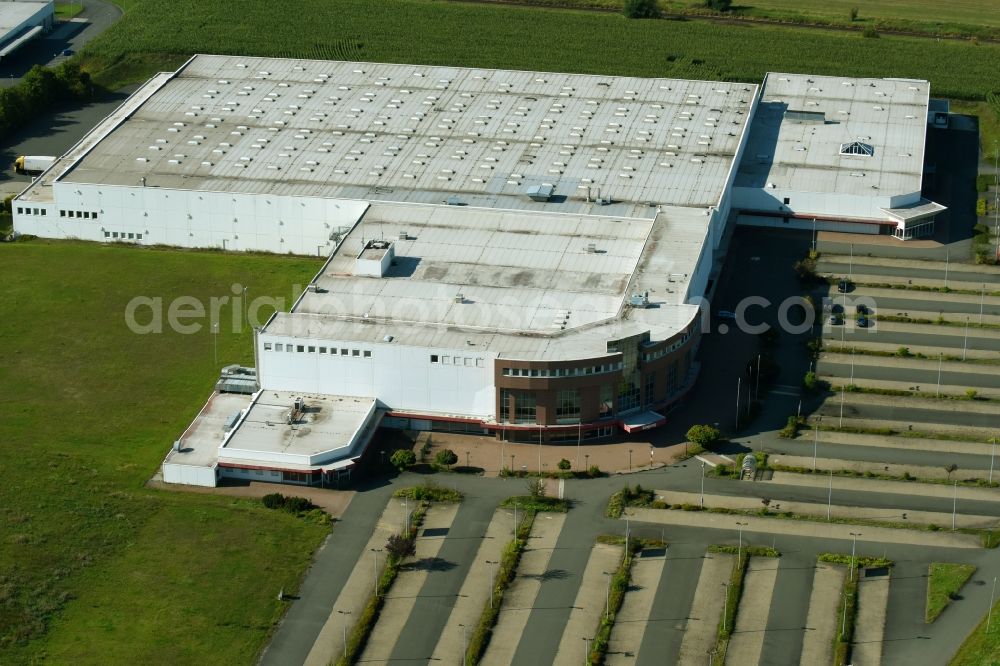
[
  {"x": 969, "y": 18},
  {"x": 94, "y": 568},
  {"x": 421, "y": 31}
]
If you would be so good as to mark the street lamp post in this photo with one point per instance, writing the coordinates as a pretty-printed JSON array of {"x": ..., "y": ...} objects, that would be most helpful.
[
  {"x": 345, "y": 614},
  {"x": 586, "y": 657},
  {"x": 940, "y": 361},
  {"x": 854, "y": 546},
  {"x": 607, "y": 597},
  {"x": 493, "y": 578},
  {"x": 829, "y": 498},
  {"x": 993, "y": 453},
  {"x": 989, "y": 613},
  {"x": 756, "y": 392},
  {"x": 579, "y": 437},
  {"x": 815, "y": 444},
  {"x": 375, "y": 552},
  {"x": 965, "y": 341},
  {"x": 738, "y": 388},
  {"x": 703, "y": 484},
  {"x": 465, "y": 644},
  {"x": 954, "y": 506},
  {"x": 725, "y": 608},
  {"x": 630, "y": 460},
  {"x": 739, "y": 548},
  {"x": 843, "y": 622},
  {"x": 842, "y": 391}
]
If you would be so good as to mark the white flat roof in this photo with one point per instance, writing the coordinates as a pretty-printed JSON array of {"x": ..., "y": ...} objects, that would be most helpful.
[
  {"x": 200, "y": 442},
  {"x": 530, "y": 286},
  {"x": 14, "y": 14},
  {"x": 371, "y": 131},
  {"x": 803, "y": 120},
  {"x": 328, "y": 423}
]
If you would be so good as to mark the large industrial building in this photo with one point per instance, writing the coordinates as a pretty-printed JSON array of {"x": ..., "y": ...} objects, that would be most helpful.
[
  {"x": 519, "y": 254},
  {"x": 22, "y": 21}
]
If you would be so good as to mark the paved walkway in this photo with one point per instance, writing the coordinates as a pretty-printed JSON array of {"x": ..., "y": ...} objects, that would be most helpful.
[
  {"x": 356, "y": 592},
  {"x": 405, "y": 590},
  {"x": 953, "y": 267},
  {"x": 829, "y": 417},
  {"x": 590, "y": 604},
  {"x": 747, "y": 641},
  {"x": 819, "y": 510},
  {"x": 475, "y": 592},
  {"x": 706, "y": 610},
  {"x": 633, "y": 618},
  {"x": 869, "y": 625},
  {"x": 892, "y": 487},
  {"x": 821, "y": 622},
  {"x": 919, "y": 471},
  {"x": 523, "y": 590},
  {"x": 837, "y": 382},
  {"x": 818, "y": 529},
  {"x": 926, "y": 350},
  {"x": 892, "y": 442},
  {"x": 332, "y": 567}
]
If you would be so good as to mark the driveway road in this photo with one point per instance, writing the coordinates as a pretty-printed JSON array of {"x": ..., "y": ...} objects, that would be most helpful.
[
  {"x": 861, "y": 268},
  {"x": 926, "y": 378},
  {"x": 906, "y": 338}
]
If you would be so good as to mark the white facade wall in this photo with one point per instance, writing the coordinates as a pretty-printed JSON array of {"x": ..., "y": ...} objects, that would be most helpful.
[
  {"x": 231, "y": 221},
  {"x": 798, "y": 223},
  {"x": 400, "y": 377},
  {"x": 267, "y": 475},
  {"x": 821, "y": 204},
  {"x": 191, "y": 475}
]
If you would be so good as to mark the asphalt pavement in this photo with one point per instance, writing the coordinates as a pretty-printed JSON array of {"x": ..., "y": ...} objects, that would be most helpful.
[
  {"x": 860, "y": 267},
  {"x": 927, "y": 378}
]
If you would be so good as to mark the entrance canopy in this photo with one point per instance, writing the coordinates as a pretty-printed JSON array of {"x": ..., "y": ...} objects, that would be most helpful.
[{"x": 642, "y": 421}]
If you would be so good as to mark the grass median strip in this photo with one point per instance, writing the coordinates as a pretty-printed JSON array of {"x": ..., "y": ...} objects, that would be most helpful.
[
  {"x": 734, "y": 591},
  {"x": 398, "y": 548},
  {"x": 988, "y": 538},
  {"x": 506, "y": 571},
  {"x": 847, "y": 608},
  {"x": 944, "y": 580},
  {"x": 880, "y": 476},
  {"x": 982, "y": 646},
  {"x": 616, "y": 595}
]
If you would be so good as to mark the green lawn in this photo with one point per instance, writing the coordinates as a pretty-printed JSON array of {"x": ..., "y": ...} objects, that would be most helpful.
[
  {"x": 94, "y": 568},
  {"x": 421, "y": 31},
  {"x": 67, "y": 10},
  {"x": 944, "y": 580},
  {"x": 980, "y": 648}
]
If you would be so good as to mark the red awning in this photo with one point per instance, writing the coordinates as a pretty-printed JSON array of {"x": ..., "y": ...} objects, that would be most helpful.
[{"x": 642, "y": 421}]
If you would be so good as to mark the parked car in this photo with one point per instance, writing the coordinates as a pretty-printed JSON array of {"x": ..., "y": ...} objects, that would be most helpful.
[
  {"x": 844, "y": 286},
  {"x": 863, "y": 321},
  {"x": 862, "y": 309},
  {"x": 726, "y": 314},
  {"x": 836, "y": 320}
]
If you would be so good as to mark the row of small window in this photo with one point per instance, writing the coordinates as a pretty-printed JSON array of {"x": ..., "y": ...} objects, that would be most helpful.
[
  {"x": 563, "y": 372},
  {"x": 116, "y": 235},
  {"x": 31, "y": 211},
  {"x": 84, "y": 214},
  {"x": 660, "y": 353},
  {"x": 458, "y": 360},
  {"x": 312, "y": 349}
]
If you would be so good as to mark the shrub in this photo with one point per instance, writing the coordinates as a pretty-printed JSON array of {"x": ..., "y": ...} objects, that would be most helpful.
[
  {"x": 564, "y": 465},
  {"x": 273, "y": 500},
  {"x": 719, "y": 5},
  {"x": 854, "y": 14},
  {"x": 402, "y": 459},
  {"x": 870, "y": 33},
  {"x": 399, "y": 546},
  {"x": 805, "y": 270},
  {"x": 536, "y": 487},
  {"x": 903, "y": 352},
  {"x": 703, "y": 435},
  {"x": 446, "y": 458},
  {"x": 791, "y": 429},
  {"x": 594, "y": 471},
  {"x": 980, "y": 207},
  {"x": 430, "y": 492},
  {"x": 971, "y": 393},
  {"x": 296, "y": 505},
  {"x": 640, "y": 9},
  {"x": 809, "y": 382}
]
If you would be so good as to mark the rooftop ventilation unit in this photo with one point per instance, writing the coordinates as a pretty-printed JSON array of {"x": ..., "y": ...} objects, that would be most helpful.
[
  {"x": 591, "y": 248},
  {"x": 639, "y": 300},
  {"x": 460, "y": 298},
  {"x": 540, "y": 192},
  {"x": 857, "y": 148}
]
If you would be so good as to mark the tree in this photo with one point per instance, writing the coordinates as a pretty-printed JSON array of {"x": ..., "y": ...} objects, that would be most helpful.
[
  {"x": 536, "y": 487},
  {"x": 854, "y": 14},
  {"x": 446, "y": 458},
  {"x": 403, "y": 458},
  {"x": 809, "y": 382},
  {"x": 399, "y": 546},
  {"x": 640, "y": 9},
  {"x": 719, "y": 5},
  {"x": 565, "y": 465},
  {"x": 703, "y": 435},
  {"x": 950, "y": 469}
]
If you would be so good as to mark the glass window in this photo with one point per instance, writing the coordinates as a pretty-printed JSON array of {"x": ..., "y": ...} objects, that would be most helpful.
[
  {"x": 93, "y": 216},
  {"x": 267, "y": 346},
  {"x": 525, "y": 407},
  {"x": 568, "y": 406},
  {"x": 607, "y": 404},
  {"x": 138, "y": 236},
  {"x": 107, "y": 234},
  {"x": 289, "y": 348},
  {"x": 131, "y": 235},
  {"x": 355, "y": 352},
  {"x": 446, "y": 360},
  {"x": 312, "y": 349},
  {"x": 480, "y": 363},
  {"x": 20, "y": 210},
  {"x": 279, "y": 347},
  {"x": 672, "y": 378},
  {"x": 649, "y": 394},
  {"x": 322, "y": 350},
  {"x": 300, "y": 348},
  {"x": 367, "y": 354},
  {"x": 114, "y": 234},
  {"x": 434, "y": 359},
  {"x": 86, "y": 215},
  {"x": 45, "y": 212},
  {"x": 343, "y": 352}
]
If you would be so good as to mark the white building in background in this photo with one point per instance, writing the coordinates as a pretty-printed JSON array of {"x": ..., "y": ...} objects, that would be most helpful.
[
  {"x": 23, "y": 20},
  {"x": 842, "y": 154},
  {"x": 519, "y": 254}
]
